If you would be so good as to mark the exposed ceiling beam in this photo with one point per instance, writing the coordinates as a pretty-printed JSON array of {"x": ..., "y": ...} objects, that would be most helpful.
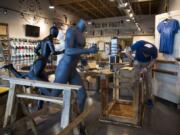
[
  {"x": 87, "y": 10},
  {"x": 141, "y": 0},
  {"x": 109, "y": 10},
  {"x": 92, "y": 5},
  {"x": 150, "y": 7},
  {"x": 75, "y": 10},
  {"x": 139, "y": 8},
  {"x": 65, "y": 2}
]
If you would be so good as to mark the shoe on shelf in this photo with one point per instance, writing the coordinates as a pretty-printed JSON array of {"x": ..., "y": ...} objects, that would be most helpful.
[
  {"x": 149, "y": 103},
  {"x": 8, "y": 66}
]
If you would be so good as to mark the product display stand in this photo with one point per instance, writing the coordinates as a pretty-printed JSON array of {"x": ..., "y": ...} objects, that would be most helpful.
[
  {"x": 119, "y": 110},
  {"x": 4, "y": 38}
]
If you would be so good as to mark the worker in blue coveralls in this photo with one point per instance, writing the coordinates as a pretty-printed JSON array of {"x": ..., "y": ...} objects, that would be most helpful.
[
  {"x": 44, "y": 49},
  {"x": 145, "y": 57},
  {"x": 66, "y": 70}
]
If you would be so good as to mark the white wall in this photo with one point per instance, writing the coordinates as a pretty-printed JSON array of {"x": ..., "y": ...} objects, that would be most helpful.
[
  {"x": 174, "y": 5},
  {"x": 164, "y": 85},
  {"x": 161, "y": 17},
  {"x": 16, "y": 22}
]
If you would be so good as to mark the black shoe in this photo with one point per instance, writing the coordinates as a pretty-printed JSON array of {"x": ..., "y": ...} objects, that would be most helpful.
[
  {"x": 9, "y": 66},
  {"x": 82, "y": 130},
  {"x": 150, "y": 103}
]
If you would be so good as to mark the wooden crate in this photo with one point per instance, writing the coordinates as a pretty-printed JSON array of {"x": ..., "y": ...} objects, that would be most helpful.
[{"x": 123, "y": 111}]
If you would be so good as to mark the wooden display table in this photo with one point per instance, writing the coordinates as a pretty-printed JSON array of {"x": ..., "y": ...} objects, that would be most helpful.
[{"x": 117, "y": 110}]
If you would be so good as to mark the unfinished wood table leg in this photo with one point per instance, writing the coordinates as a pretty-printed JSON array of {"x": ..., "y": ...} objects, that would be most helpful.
[
  {"x": 104, "y": 92},
  {"x": 65, "y": 116},
  {"x": 9, "y": 105},
  {"x": 117, "y": 88},
  {"x": 30, "y": 119}
]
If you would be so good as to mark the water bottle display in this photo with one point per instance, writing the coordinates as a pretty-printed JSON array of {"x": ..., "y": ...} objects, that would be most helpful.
[{"x": 22, "y": 51}]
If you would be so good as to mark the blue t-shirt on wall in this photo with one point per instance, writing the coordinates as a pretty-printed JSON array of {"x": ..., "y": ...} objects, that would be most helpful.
[
  {"x": 167, "y": 28},
  {"x": 139, "y": 47}
]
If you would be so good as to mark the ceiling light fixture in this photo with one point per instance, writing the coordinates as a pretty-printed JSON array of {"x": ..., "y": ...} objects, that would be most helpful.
[
  {"x": 139, "y": 29},
  {"x": 126, "y": 4},
  {"x": 128, "y": 10},
  {"x": 5, "y": 11},
  {"x": 127, "y": 7},
  {"x": 51, "y": 7},
  {"x": 89, "y": 23},
  {"x": 123, "y": 5},
  {"x": 111, "y": 0},
  {"x": 128, "y": 20},
  {"x": 131, "y": 15}
]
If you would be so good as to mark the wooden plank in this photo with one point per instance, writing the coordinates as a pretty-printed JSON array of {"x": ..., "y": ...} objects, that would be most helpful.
[
  {"x": 150, "y": 7},
  {"x": 165, "y": 72},
  {"x": 141, "y": 1},
  {"x": 139, "y": 8},
  {"x": 92, "y": 5},
  {"x": 66, "y": 2},
  {"x": 107, "y": 8},
  {"x": 55, "y": 100},
  {"x": 110, "y": 106},
  {"x": 166, "y": 61},
  {"x": 86, "y": 9},
  {"x": 104, "y": 93},
  {"x": 77, "y": 11},
  {"x": 77, "y": 121},
  {"x": 9, "y": 105},
  {"x": 65, "y": 116},
  {"x": 33, "y": 83}
]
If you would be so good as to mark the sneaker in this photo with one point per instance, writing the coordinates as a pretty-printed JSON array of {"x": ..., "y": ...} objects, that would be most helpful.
[
  {"x": 150, "y": 103},
  {"x": 9, "y": 66}
]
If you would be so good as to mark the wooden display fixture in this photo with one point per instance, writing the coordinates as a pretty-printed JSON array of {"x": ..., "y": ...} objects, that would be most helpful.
[
  {"x": 165, "y": 72},
  {"x": 4, "y": 40},
  {"x": 166, "y": 61},
  {"x": 119, "y": 110}
]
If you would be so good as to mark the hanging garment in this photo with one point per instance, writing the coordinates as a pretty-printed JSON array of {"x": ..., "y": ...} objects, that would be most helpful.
[{"x": 167, "y": 28}]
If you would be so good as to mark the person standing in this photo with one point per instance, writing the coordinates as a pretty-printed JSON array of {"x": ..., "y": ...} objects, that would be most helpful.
[{"x": 145, "y": 57}]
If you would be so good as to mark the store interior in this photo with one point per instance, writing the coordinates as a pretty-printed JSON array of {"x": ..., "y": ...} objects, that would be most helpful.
[{"x": 89, "y": 67}]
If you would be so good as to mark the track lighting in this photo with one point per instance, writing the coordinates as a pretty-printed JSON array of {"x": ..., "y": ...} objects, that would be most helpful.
[
  {"x": 128, "y": 20},
  {"x": 5, "y": 11},
  {"x": 51, "y": 7},
  {"x": 131, "y": 15}
]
